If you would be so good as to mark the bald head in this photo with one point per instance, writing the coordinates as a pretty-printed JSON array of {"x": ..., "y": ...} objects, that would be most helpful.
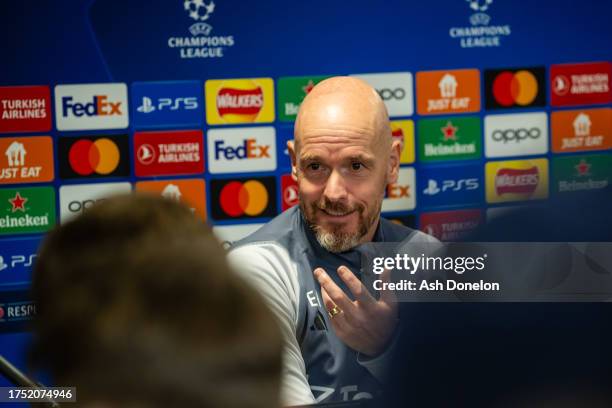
[{"x": 344, "y": 102}]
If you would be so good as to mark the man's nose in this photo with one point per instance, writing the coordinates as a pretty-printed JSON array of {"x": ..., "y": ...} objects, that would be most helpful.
[{"x": 335, "y": 188}]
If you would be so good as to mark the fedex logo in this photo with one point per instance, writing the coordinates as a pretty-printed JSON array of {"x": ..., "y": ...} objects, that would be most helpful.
[
  {"x": 401, "y": 196},
  {"x": 100, "y": 105},
  {"x": 91, "y": 106},
  {"x": 241, "y": 150},
  {"x": 248, "y": 150}
]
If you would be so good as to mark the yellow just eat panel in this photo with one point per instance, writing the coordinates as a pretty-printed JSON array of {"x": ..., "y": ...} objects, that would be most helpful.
[
  {"x": 517, "y": 180},
  {"x": 247, "y": 100},
  {"x": 403, "y": 130}
]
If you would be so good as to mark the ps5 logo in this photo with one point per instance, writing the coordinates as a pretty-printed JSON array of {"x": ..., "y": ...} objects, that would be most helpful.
[
  {"x": 171, "y": 104},
  {"x": 23, "y": 260},
  {"x": 451, "y": 185}
]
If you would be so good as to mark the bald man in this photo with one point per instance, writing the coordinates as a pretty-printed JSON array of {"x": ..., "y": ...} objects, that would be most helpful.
[{"x": 306, "y": 261}]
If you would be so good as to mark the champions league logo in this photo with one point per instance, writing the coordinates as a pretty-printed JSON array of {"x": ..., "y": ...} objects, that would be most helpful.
[
  {"x": 201, "y": 44},
  {"x": 480, "y": 34}
]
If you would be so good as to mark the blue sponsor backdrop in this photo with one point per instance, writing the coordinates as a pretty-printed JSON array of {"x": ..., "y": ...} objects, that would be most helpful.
[
  {"x": 456, "y": 185},
  {"x": 98, "y": 41}
]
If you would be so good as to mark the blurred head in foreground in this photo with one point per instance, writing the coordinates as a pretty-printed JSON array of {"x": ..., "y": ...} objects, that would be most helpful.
[{"x": 137, "y": 307}]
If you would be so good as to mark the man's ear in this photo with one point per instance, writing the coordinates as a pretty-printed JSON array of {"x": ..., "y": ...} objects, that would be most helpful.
[
  {"x": 394, "y": 162},
  {"x": 291, "y": 150}
]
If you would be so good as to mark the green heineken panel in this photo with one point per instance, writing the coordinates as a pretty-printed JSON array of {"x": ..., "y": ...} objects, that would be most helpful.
[
  {"x": 27, "y": 210},
  {"x": 582, "y": 173},
  {"x": 450, "y": 138},
  {"x": 291, "y": 93}
]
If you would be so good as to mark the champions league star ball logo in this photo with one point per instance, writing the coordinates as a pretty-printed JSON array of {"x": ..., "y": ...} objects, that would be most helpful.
[
  {"x": 198, "y": 9},
  {"x": 480, "y": 6}
]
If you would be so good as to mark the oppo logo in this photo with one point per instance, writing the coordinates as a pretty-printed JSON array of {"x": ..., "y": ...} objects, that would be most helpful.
[
  {"x": 516, "y": 135},
  {"x": 80, "y": 206},
  {"x": 387, "y": 94}
]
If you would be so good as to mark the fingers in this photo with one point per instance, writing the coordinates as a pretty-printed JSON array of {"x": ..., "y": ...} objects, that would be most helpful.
[
  {"x": 339, "y": 321},
  {"x": 387, "y": 296},
  {"x": 359, "y": 291},
  {"x": 336, "y": 294}
]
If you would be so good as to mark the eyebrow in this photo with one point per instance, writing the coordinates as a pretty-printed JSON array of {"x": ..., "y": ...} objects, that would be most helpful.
[{"x": 366, "y": 159}]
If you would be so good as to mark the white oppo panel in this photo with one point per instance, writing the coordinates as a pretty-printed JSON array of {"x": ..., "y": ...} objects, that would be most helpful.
[
  {"x": 518, "y": 134},
  {"x": 74, "y": 199}
]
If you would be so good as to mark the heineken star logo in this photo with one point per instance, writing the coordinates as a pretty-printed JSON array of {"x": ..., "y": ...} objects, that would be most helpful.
[
  {"x": 583, "y": 168},
  {"x": 18, "y": 202},
  {"x": 308, "y": 87},
  {"x": 449, "y": 131}
]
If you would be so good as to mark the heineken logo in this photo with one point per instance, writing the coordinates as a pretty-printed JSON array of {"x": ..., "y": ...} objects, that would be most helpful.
[
  {"x": 291, "y": 93},
  {"x": 582, "y": 173},
  {"x": 449, "y": 139},
  {"x": 27, "y": 210}
]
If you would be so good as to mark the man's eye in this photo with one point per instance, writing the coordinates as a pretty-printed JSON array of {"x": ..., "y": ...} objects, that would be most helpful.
[
  {"x": 356, "y": 166},
  {"x": 314, "y": 166}
]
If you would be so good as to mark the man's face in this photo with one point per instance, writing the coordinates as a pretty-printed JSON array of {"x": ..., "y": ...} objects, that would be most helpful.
[{"x": 342, "y": 168}]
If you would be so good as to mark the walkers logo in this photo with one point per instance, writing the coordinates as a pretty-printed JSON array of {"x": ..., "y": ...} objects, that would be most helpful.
[
  {"x": 401, "y": 196},
  {"x": 290, "y": 193},
  {"x": 455, "y": 138},
  {"x": 451, "y": 185},
  {"x": 440, "y": 92},
  {"x": 228, "y": 234},
  {"x": 165, "y": 104},
  {"x": 201, "y": 44},
  {"x": 94, "y": 157},
  {"x": 580, "y": 84},
  {"x": 517, "y": 180},
  {"x": 519, "y": 134},
  {"x": 238, "y": 150},
  {"x": 239, "y": 101},
  {"x": 395, "y": 89},
  {"x": 291, "y": 93},
  {"x": 515, "y": 88},
  {"x": 27, "y": 210},
  {"x": 168, "y": 152},
  {"x": 582, "y": 173},
  {"x": 480, "y": 34},
  {"x": 17, "y": 257},
  {"x": 403, "y": 130},
  {"x": 91, "y": 106},
  {"x": 451, "y": 225},
  {"x": 581, "y": 130},
  {"x": 26, "y": 160},
  {"x": 75, "y": 199},
  {"x": 190, "y": 192},
  {"x": 25, "y": 109},
  {"x": 243, "y": 198}
]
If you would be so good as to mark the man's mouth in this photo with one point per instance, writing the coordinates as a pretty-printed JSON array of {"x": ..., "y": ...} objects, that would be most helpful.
[{"x": 336, "y": 214}]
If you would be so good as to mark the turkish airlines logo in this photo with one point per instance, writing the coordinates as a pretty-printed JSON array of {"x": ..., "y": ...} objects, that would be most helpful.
[
  {"x": 25, "y": 109},
  {"x": 26, "y": 160},
  {"x": 244, "y": 198},
  {"x": 240, "y": 101},
  {"x": 241, "y": 150},
  {"x": 91, "y": 106},
  {"x": 580, "y": 84},
  {"x": 517, "y": 181},
  {"x": 94, "y": 157},
  {"x": 290, "y": 192},
  {"x": 395, "y": 89},
  {"x": 523, "y": 87},
  {"x": 169, "y": 152}
]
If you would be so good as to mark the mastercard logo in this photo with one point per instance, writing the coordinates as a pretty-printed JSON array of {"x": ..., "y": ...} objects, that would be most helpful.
[
  {"x": 87, "y": 157},
  {"x": 94, "y": 157},
  {"x": 244, "y": 198},
  {"x": 250, "y": 198},
  {"x": 515, "y": 88}
]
